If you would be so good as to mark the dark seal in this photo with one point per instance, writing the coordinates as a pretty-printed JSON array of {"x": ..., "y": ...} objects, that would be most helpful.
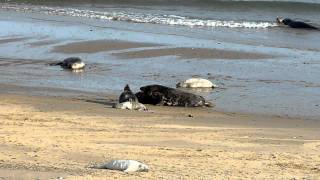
[
  {"x": 162, "y": 95},
  {"x": 295, "y": 24},
  {"x": 127, "y": 95},
  {"x": 73, "y": 63}
]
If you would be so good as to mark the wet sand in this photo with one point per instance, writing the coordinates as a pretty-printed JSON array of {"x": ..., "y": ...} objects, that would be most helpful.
[
  {"x": 11, "y": 39},
  {"x": 98, "y": 46},
  {"x": 191, "y": 53},
  {"x": 50, "y": 137}
]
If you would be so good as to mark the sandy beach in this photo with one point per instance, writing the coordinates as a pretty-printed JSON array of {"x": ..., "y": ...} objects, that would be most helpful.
[{"x": 50, "y": 137}]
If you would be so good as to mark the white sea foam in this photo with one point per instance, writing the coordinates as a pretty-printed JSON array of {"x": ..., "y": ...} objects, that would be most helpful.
[{"x": 139, "y": 17}]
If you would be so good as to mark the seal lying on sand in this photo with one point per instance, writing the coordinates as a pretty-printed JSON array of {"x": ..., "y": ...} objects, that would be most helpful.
[
  {"x": 124, "y": 165},
  {"x": 73, "y": 63},
  {"x": 162, "y": 95},
  {"x": 127, "y": 95},
  {"x": 196, "y": 83},
  {"x": 130, "y": 106},
  {"x": 295, "y": 24},
  {"x": 128, "y": 100}
]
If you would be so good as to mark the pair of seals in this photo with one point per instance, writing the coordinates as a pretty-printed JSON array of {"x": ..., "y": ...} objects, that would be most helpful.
[
  {"x": 128, "y": 100},
  {"x": 162, "y": 95},
  {"x": 72, "y": 63},
  {"x": 295, "y": 24}
]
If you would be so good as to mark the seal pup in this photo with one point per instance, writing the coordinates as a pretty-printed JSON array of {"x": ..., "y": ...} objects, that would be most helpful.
[
  {"x": 73, "y": 63},
  {"x": 127, "y": 95},
  {"x": 196, "y": 83},
  {"x": 128, "y": 100},
  {"x": 124, "y": 165},
  {"x": 162, "y": 95},
  {"x": 129, "y": 105},
  {"x": 295, "y": 24}
]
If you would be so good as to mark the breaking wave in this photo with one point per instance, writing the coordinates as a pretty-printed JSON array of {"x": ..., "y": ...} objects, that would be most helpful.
[{"x": 138, "y": 17}]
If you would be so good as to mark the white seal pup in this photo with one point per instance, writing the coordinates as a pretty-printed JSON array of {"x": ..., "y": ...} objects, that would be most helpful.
[
  {"x": 131, "y": 105},
  {"x": 124, "y": 165},
  {"x": 73, "y": 63},
  {"x": 196, "y": 83}
]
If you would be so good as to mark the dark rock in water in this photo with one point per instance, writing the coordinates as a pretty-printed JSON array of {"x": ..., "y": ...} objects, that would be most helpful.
[
  {"x": 162, "y": 95},
  {"x": 127, "y": 95},
  {"x": 295, "y": 24}
]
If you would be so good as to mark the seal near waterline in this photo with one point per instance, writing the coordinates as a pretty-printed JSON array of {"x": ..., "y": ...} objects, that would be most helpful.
[
  {"x": 72, "y": 63},
  {"x": 128, "y": 100},
  {"x": 124, "y": 165},
  {"x": 130, "y": 106},
  {"x": 162, "y": 95},
  {"x": 295, "y": 24},
  {"x": 127, "y": 95},
  {"x": 196, "y": 83}
]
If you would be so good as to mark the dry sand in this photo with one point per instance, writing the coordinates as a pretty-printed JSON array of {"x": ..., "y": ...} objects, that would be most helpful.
[{"x": 49, "y": 137}]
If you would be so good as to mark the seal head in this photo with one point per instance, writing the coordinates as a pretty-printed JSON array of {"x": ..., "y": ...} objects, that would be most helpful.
[
  {"x": 295, "y": 24},
  {"x": 127, "y": 95}
]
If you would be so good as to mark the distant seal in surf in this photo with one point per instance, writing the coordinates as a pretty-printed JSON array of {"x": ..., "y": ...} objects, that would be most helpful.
[
  {"x": 124, "y": 165},
  {"x": 295, "y": 24},
  {"x": 196, "y": 83},
  {"x": 73, "y": 63},
  {"x": 127, "y": 95},
  {"x": 162, "y": 95}
]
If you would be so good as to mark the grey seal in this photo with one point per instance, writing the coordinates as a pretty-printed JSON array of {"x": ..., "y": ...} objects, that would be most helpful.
[
  {"x": 128, "y": 100},
  {"x": 73, "y": 63},
  {"x": 127, "y": 95},
  {"x": 162, "y": 95},
  {"x": 295, "y": 24}
]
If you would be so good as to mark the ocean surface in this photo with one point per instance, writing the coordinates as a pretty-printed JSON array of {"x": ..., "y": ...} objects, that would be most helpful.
[{"x": 287, "y": 85}]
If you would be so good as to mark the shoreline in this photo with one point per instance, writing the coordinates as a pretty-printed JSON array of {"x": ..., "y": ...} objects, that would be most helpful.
[
  {"x": 254, "y": 79},
  {"x": 108, "y": 98},
  {"x": 54, "y": 137}
]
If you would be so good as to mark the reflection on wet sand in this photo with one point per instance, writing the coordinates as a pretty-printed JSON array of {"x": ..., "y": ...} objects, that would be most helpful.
[
  {"x": 191, "y": 53},
  {"x": 98, "y": 46}
]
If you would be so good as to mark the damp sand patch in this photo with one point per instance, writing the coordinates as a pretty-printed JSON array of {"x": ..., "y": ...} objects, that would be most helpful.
[
  {"x": 98, "y": 46},
  {"x": 44, "y": 43},
  {"x": 191, "y": 53},
  {"x": 10, "y": 40}
]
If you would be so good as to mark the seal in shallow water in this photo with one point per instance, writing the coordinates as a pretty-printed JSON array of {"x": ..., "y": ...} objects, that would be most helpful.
[
  {"x": 162, "y": 95},
  {"x": 295, "y": 24},
  {"x": 73, "y": 63}
]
